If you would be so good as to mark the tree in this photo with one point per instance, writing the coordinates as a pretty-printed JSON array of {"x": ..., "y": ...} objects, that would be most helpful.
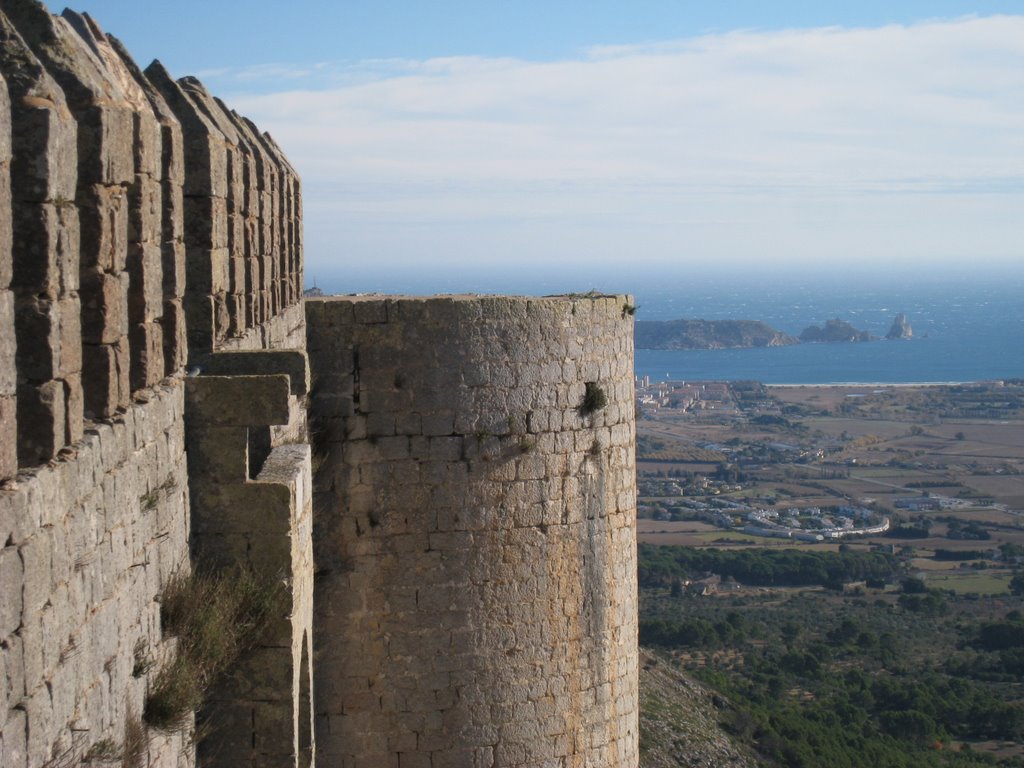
[
  {"x": 914, "y": 586},
  {"x": 1017, "y": 583},
  {"x": 909, "y": 725},
  {"x": 790, "y": 632},
  {"x": 677, "y": 587}
]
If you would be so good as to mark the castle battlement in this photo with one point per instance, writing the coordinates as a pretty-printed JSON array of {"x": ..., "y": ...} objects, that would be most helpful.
[{"x": 439, "y": 492}]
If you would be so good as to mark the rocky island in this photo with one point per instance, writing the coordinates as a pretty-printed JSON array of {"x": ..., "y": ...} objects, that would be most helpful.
[
  {"x": 708, "y": 334},
  {"x": 900, "y": 328},
  {"x": 742, "y": 334},
  {"x": 834, "y": 330}
]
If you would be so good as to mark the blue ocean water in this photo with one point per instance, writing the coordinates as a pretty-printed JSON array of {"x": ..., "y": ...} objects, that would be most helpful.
[{"x": 967, "y": 327}]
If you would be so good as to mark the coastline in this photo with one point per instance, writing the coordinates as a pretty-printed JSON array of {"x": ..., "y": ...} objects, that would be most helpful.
[{"x": 846, "y": 384}]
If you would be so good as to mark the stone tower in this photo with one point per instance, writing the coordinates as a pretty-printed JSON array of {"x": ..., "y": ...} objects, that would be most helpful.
[{"x": 475, "y": 531}]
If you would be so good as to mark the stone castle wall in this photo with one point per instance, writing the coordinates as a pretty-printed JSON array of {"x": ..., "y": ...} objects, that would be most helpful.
[
  {"x": 475, "y": 531},
  {"x": 90, "y": 540},
  {"x": 144, "y": 229},
  {"x": 472, "y": 523}
]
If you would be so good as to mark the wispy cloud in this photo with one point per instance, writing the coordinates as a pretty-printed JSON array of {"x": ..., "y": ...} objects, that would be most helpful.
[{"x": 671, "y": 146}]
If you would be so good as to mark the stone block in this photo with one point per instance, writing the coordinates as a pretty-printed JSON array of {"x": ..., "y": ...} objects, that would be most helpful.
[
  {"x": 236, "y": 232},
  {"x": 106, "y": 144},
  {"x": 105, "y": 376},
  {"x": 237, "y": 274},
  {"x": 206, "y": 270},
  {"x": 8, "y": 436},
  {"x": 253, "y": 316},
  {"x": 44, "y": 164},
  {"x": 8, "y": 348},
  {"x": 173, "y": 273},
  {"x": 38, "y": 324},
  {"x": 173, "y": 165},
  {"x": 5, "y": 122},
  {"x": 371, "y": 311},
  {"x": 104, "y": 299},
  {"x": 201, "y": 312},
  {"x": 146, "y": 341},
  {"x": 294, "y": 363},
  {"x": 218, "y": 454},
  {"x": 74, "y": 408},
  {"x": 238, "y": 400},
  {"x": 145, "y": 210},
  {"x": 42, "y": 422},
  {"x": 45, "y": 248},
  {"x": 6, "y": 266},
  {"x": 146, "y": 284},
  {"x": 274, "y": 728},
  {"x": 103, "y": 216},
  {"x": 69, "y": 314},
  {"x": 175, "y": 342},
  {"x": 236, "y": 314},
  {"x": 12, "y": 577},
  {"x": 254, "y": 509},
  {"x": 206, "y": 222},
  {"x": 147, "y": 125},
  {"x": 14, "y": 748},
  {"x": 35, "y": 555},
  {"x": 218, "y": 117}
]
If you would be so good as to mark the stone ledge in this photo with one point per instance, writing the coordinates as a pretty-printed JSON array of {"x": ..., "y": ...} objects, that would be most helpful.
[
  {"x": 292, "y": 362},
  {"x": 243, "y": 401}
]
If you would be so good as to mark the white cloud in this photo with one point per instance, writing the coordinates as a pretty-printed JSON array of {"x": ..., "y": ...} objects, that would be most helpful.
[{"x": 894, "y": 141}]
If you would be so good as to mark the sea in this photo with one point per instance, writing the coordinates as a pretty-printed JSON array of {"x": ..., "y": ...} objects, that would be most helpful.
[{"x": 967, "y": 327}]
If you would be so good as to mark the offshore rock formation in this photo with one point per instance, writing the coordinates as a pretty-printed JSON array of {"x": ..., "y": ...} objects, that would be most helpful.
[
  {"x": 708, "y": 334},
  {"x": 900, "y": 328},
  {"x": 474, "y": 529},
  {"x": 835, "y": 330}
]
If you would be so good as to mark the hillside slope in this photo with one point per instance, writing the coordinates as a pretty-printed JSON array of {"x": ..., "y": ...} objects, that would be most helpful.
[{"x": 679, "y": 722}]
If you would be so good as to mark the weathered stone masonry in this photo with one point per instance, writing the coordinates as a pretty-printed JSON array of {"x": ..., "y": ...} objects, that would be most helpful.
[
  {"x": 114, "y": 226},
  {"x": 470, "y": 519},
  {"x": 475, "y": 540}
]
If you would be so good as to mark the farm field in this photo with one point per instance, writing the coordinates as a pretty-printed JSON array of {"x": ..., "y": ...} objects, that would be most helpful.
[{"x": 923, "y": 457}]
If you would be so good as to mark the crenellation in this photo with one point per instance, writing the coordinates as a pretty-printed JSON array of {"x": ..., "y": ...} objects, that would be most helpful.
[
  {"x": 91, "y": 538},
  {"x": 105, "y": 169},
  {"x": 225, "y": 219},
  {"x": 253, "y": 260},
  {"x": 44, "y": 255},
  {"x": 168, "y": 170},
  {"x": 474, "y": 526},
  {"x": 143, "y": 260},
  {"x": 245, "y": 277}
]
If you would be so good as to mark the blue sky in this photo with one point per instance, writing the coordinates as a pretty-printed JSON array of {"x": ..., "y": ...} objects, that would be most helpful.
[{"x": 467, "y": 137}]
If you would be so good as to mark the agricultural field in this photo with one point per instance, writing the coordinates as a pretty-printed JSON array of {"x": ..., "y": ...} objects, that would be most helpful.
[
  {"x": 902, "y": 647},
  {"x": 945, "y": 464}
]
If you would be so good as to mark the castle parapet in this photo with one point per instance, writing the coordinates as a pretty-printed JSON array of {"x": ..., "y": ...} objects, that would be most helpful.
[
  {"x": 475, "y": 517},
  {"x": 122, "y": 239},
  {"x": 143, "y": 225}
]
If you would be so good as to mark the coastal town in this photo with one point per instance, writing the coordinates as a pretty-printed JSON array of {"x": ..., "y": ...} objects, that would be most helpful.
[{"x": 819, "y": 465}]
